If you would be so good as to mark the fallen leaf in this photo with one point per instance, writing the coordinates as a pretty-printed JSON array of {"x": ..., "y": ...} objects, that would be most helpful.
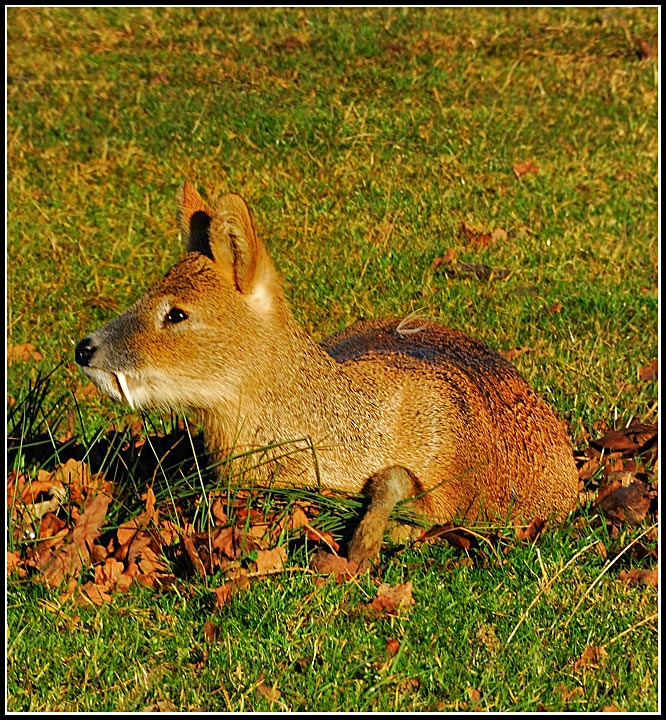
[
  {"x": 329, "y": 564},
  {"x": 593, "y": 656},
  {"x": 271, "y": 693},
  {"x": 13, "y": 561},
  {"x": 531, "y": 532},
  {"x": 473, "y": 237},
  {"x": 640, "y": 577},
  {"x": 390, "y": 600},
  {"x": 321, "y": 536},
  {"x": 75, "y": 551},
  {"x": 225, "y": 541},
  {"x": 228, "y": 589},
  {"x": 297, "y": 519},
  {"x": 193, "y": 555},
  {"x": 625, "y": 504},
  {"x": 293, "y": 42},
  {"x": 129, "y": 529},
  {"x": 97, "y": 595},
  {"x": 392, "y": 647},
  {"x": 24, "y": 352},
  {"x": 635, "y": 438},
  {"x": 473, "y": 694},
  {"x": 570, "y": 694},
  {"x": 525, "y": 168},
  {"x": 650, "y": 372},
  {"x": 647, "y": 50},
  {"x": 211, "y": 631},
  {"x": 161, "y": 706},
  {"x": 270, "y": 561},
  {"x": 512, "y": 353},
  {"x": 448, "y": 258}
]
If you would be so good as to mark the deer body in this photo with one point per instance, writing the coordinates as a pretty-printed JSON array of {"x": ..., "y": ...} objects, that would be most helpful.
[{"x": 394, "y": 410}]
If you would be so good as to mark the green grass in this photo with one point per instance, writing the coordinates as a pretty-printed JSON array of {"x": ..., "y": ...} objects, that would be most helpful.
[
  {"x": 321, "y": 648},
  {"x": 364, "y": 140}
]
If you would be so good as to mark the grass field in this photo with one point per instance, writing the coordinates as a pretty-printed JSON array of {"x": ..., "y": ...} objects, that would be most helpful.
[{"x": 493, "y": 169}]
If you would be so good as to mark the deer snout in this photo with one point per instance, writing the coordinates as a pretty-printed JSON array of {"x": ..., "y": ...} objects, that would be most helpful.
[{"x": 84, "y": 351}]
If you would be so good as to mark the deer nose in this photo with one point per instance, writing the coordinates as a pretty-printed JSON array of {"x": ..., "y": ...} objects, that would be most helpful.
[{"x": 84, "y": 351}]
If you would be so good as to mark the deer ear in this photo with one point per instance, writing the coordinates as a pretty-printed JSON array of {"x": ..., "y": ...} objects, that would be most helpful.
[
  {"x": 227, "y": 236},
  {"x": 194, "y": 218},
  {"x": 233, "y": 238}
]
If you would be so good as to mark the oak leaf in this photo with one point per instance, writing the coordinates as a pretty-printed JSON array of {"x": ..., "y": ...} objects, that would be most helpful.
[{"x": 75, "y": 551}]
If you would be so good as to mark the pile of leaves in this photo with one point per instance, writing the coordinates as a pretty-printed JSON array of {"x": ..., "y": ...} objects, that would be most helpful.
[{"x": 62, "y": 533}]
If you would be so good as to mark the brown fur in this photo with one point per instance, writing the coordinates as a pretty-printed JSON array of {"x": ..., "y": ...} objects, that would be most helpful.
[{"x": 395, "y": 410}]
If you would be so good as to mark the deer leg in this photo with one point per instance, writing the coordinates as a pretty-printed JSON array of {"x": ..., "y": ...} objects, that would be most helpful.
[{"x": 385, "y": 489}]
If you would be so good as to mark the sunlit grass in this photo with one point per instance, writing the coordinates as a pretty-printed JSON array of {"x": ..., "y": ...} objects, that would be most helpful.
[{"x": 370, "y": 143}]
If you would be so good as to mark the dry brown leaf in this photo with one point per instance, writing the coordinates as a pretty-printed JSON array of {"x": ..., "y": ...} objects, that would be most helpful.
[
  {"x": 473, "y": 237},
  {"x": 270, "y": 561},
  {"x": 13, "y": 561},
  {"x": 650, "y": 372},
  {"x": 390, "y": 600},
  {"x": 194, "y": 557},
  {"x": 161, "y": 706},
  {"x": 211, "y": 631},
  {"x": 321, "y": 536},
  {"x": 224, "y": 592},
  {"x": 473, "y": 694},
  {"x": 622, "y": 503},
  {"x": 570, "y": 694},
  {"x": 129, "y": 529},
  {"x": 219, "y": 510},
  {"x": 46, "y": 482},
  {"x": 225, "y": 540},
  {"x": 647, "y": 50},
  {"x": 329, "y": 564},
  {"x": 271, "y": 693},
  {"x": 392, "y": 647},
  {"x": 512, "y": 353},
  {"x": 447, "y": 260},
  {"x": 297, "y": 519},
  {"x": 96, "y": 594},
  {"x": 525, "y": 168},
  {"x": 640, "y": 577},
  {"x": 24, "y": 352},
  {"x": 633, "y": 439},
  {"x": 75, "y": 551},
  {"x": 593, "y": 656},
  {"x": 531, "y": 532},
  {"x": 588, "y": 468}
]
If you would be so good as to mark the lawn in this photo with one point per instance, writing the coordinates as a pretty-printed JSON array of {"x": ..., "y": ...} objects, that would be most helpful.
[{"x": 495, "y": 169}]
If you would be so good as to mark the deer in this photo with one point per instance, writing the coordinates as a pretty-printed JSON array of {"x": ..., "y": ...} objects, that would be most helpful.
[{"x": 401, "y": 412}]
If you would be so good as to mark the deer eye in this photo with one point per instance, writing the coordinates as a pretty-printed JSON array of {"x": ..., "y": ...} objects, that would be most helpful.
[{"x": 175, "y": 315}]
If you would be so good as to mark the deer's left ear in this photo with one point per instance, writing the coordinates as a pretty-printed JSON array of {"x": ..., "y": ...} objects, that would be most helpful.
[{"x": 194, "y": 218}]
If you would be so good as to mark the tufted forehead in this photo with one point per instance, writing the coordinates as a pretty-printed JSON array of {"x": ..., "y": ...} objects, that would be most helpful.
[{"x": 191, "y": 276}]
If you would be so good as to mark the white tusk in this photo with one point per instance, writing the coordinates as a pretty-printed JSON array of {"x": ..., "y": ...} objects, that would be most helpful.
[{"x": 122, "y": 381}]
